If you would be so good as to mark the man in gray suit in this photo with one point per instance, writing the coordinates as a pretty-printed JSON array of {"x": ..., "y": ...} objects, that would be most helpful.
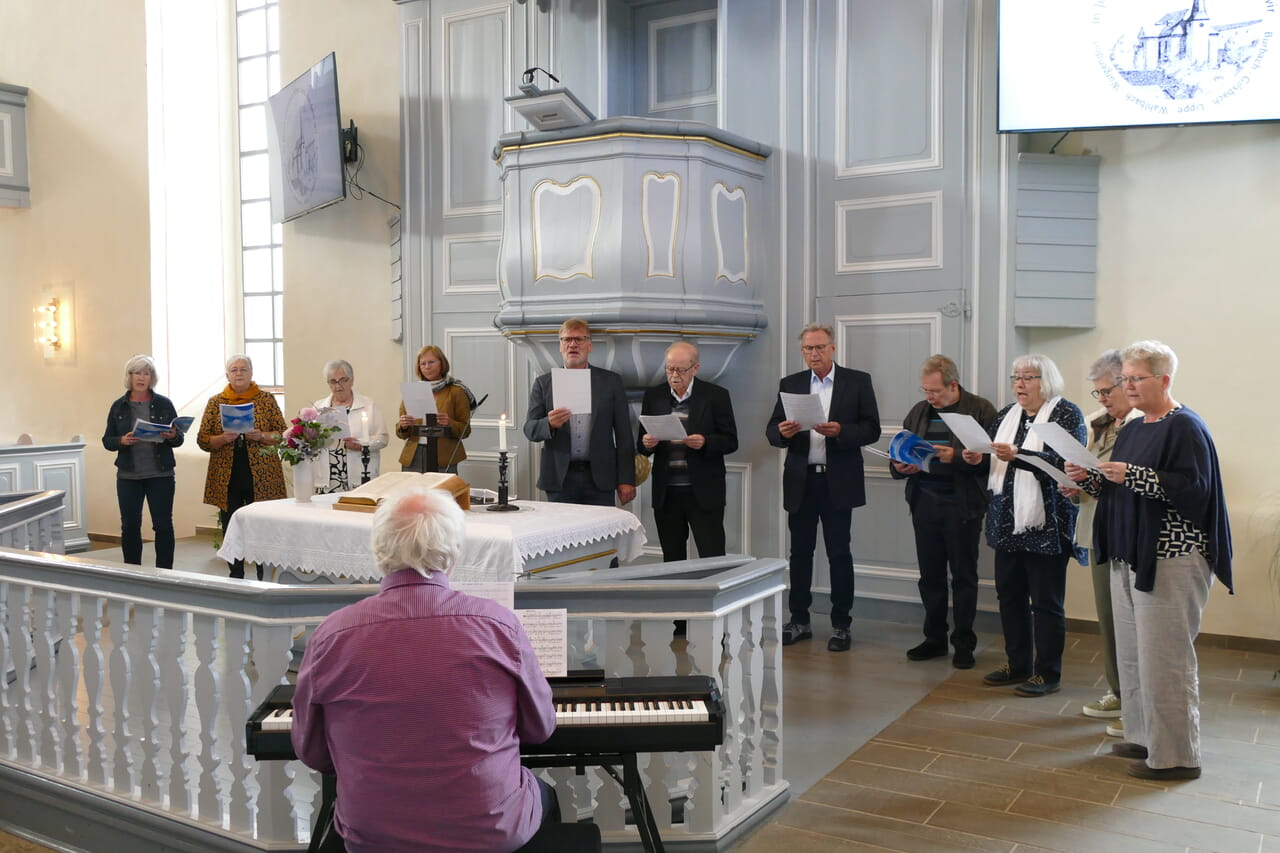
[{"x": 586, "y": 458}]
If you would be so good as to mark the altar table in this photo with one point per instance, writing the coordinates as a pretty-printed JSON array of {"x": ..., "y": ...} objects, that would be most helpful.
[{"x": 317, "y": 539}]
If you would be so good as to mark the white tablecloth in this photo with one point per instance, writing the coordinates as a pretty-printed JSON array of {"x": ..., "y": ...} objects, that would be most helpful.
[{"x": 314, "y": 537}]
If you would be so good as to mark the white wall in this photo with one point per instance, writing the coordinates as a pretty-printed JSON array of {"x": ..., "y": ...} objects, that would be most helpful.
[
  {"x": 1187, "y": 255},
  {"x": 86, "y": 119}
]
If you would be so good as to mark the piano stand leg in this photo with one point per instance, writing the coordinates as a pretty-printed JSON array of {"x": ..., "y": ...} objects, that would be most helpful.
[{"x": 640, "y": 810}]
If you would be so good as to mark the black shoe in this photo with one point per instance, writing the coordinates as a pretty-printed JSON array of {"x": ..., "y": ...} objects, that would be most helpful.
[
  {"x": 926, "y": 651},
  {"x": 1126, "y": 749},
  {"x": 1162, "y": 774},
  {"x": 840, "y": 640},
  {"x": 962, "y": 659},
  {"x": 793, "y": 632},
  {"x": 1004, "y": 675}
]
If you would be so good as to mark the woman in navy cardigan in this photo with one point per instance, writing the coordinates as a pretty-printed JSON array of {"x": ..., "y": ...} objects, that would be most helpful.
[
  {"x": 1162, "y": 523},
  {"x": 144, "y": 469}
]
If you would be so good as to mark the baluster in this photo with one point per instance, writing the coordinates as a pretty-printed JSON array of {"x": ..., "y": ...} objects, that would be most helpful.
[
  {"x": 8, "y": 707},
  {"x": 144, "y": 651},
  {"x": 730, "y": 690},
  {"x": 69, "y": 672},
  {"x": 277, "y": 801},
  {"x": 752, "y": 675},
  {"x": 23, "y": 655},
  {"x": 99, "y": 768},
  {"x": 771, "y": 690},
  {"x": 175, "y": 678},
  {"x": 236, "y": 706},
  {"x": 44, "y": 684},
  {"x": 207, "y": 634},
  {"x": 120, "y": 676}
]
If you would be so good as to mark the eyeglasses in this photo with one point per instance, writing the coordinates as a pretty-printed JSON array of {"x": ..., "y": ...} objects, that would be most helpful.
[
  {"x": 574, "y": 339},
  {"x": 814, "y": 348},
  {"x": 679, "y": 371},
  {"x": 342, "y": 381},
  {"x": 932, "y": 392},
  {"x": 1017, "y": 377},
  {"x": 1137, "y": 380},
  {"x": 1099, "y": 393}
]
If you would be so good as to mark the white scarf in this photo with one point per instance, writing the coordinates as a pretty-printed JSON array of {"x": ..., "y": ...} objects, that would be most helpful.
[{"x": 1028, "y": 503}]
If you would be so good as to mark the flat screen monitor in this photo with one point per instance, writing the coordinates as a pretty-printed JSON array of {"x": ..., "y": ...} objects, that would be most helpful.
[
  {"x": 304, "y": 143},
  {"x": 1077, "y": 64}
]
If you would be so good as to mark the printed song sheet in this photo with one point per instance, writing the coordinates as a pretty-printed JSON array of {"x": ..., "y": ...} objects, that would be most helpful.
[
  {"x": 419, "y": 399},
  {"x": 1066, "y": 445},
  {"x": 664, "y": 427},
  {"x": 968, "y": 432},
  {"x": 503, "y": 592},
  {"x": 804, "y": 409},
  {"x": 571, "y": 389},
  {"x": 236, "y": 418},
  {"x": 548, "y": 632},
  {"x": 1058, "y": 476}
]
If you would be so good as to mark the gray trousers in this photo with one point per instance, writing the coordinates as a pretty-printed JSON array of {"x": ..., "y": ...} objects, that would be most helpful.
[
  {"x": 1159, "y": 679},
  {"x": 1106, "y": 624}
]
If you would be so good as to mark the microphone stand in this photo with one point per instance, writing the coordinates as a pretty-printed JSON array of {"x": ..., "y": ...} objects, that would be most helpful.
[{"x": 502, "y": 505}]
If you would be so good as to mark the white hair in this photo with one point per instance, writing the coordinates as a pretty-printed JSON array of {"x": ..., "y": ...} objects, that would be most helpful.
[
  {"x": 420, "y": 529},
  {"x": 339, "y": 364},
  {"x": 1051, "y": 381},
  {"x": 1158, "y": 357},
  {"x": 239, "y": 357},
  {"x": 139, "y": 362},
  {"x": 1106, "y": 366}
]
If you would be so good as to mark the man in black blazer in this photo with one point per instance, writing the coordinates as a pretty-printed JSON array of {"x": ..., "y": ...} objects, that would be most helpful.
[
  {"x": 586, "y": 458},
  {"x": 822, "y": 478},
  {"x": 688, "y": 475}
]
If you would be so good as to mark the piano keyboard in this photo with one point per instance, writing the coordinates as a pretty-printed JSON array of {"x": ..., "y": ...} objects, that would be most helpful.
[{"x": 633, "y": 713}]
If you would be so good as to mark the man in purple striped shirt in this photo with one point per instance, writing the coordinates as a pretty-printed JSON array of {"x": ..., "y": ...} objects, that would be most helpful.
[{"x": 418, "y": 698}]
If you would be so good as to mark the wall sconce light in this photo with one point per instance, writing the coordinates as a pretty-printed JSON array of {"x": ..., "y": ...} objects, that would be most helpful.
[{"x": 47, "y": 324}]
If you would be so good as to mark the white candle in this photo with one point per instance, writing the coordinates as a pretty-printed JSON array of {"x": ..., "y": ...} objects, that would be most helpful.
[
  {"x": 502, "y": 431},
  {"x": 364, "y": 427}
]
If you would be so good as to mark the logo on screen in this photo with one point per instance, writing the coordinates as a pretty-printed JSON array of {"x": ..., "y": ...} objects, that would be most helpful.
[{"x": 1172, "y": 58}]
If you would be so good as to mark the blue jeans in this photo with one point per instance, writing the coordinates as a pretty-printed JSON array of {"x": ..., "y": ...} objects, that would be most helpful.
[{"x": 158, "y": 494}]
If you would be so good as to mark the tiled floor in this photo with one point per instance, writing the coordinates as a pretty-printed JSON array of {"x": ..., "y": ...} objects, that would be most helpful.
[
  {"x": 938, "y": 762},
  {"x": 974, "y": 768}
]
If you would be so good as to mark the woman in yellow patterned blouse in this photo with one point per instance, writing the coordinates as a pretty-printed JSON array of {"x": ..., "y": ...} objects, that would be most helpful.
[{"x": 239, "y": 473}]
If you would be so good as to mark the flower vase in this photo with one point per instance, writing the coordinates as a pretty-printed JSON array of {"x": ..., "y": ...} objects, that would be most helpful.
[{"x": 304, "y": 485}]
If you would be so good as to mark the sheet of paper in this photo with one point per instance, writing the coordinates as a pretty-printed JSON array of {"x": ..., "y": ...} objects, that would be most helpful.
[
  {"x": 804, "y": 409},
  {"x": 334, "y": 416},
  {"x": 548, "y": 632},
  {"x": 664, "y": 427},
  {"x": 968, "y": 432},
  {"x": 236, "y": 418},
  {"x": 419, "y": 399},
  {"x": 1058, "y": 476},
  {"x": 875, "y": 451},
  {"x": 503, "y": 592},
  {"x": 571, "y": 389},
  {"x": 1066, "y": 445},
  {"x": 148, "y": 431},
  {"x": 183, "y": 423}
]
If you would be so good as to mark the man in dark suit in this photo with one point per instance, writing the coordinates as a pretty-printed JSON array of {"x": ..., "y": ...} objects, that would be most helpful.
[
  {"x": 586, "y": 457},
  {"x": 822, "y": 478},
  {"x": 688, "y": 475}
]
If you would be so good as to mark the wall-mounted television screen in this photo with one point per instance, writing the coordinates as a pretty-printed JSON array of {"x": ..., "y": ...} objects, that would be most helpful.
[
  {"x": 304, "y": 144},
  {"x": 1076, "y": 64}
]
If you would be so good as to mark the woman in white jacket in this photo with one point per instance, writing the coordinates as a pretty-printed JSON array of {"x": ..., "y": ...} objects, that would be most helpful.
[{"x": 346, "y": 466}]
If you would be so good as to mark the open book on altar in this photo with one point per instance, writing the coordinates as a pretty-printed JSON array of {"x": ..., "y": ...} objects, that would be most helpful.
[{"x": 367, "y": 497}]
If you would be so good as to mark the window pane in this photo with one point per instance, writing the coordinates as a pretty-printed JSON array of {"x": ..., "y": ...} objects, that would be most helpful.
[
  {"x": 273, "y": 28},
  {"x": 258, "y": 322},
  {"x": 273, "y": 72},
  {"x": 251, "y": 34},
  {"x": 264, "y": 366},
  {"x": 241, "y": 5},
  {"x": 255, "y": 179},
  {"x": 253, "y": 81},
  {"x": 277, "y": 233},
  {"x": 255, "y": 223},
  {"x": 253, "y": 128},
  {"x": 257, "y": 271},
  {"x": 277, "y": 266},
  {"x": 279, "y": 349},
  {"x": 278, "y": 328}
]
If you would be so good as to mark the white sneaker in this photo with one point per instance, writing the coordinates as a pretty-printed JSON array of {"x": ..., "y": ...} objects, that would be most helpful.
[
  {"x": 1116, "y": 729},
  {"x": 1105, "y": 707}
]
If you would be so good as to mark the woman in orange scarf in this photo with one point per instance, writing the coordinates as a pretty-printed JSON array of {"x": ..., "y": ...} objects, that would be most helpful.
[{"x": 238, "y": 473}]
